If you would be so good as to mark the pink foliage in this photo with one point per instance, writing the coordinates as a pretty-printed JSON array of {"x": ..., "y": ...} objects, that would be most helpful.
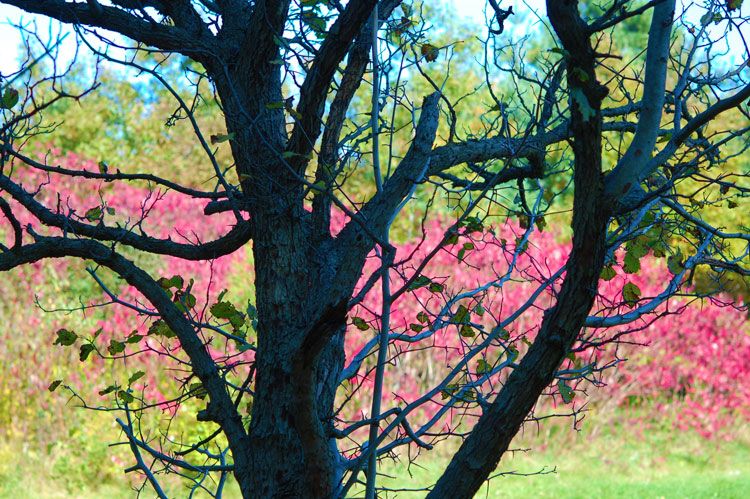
[
  {"x": 160, "y": 214},
  {"x": 696, "y": 355},
  {"x": 693, "y": 369}
]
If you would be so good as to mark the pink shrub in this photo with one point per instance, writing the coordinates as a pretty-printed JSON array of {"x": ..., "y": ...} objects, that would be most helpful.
[
  {"x": 696, "y": 353},
  {"x": 692, "y": 370},
  {"x": 160, "y": 214}
]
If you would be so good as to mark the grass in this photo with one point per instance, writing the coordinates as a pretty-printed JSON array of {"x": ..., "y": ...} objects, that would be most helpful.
[{"x": 613, "y": 460}]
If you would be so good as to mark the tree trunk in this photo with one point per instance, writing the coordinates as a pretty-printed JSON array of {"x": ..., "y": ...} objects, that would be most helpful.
[
  {"x": 300, "y": 351},
  {"x": 290, "y": 453},
  {"x": 298, "y": 364}
]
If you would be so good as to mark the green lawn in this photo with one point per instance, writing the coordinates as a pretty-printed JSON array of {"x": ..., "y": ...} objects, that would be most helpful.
[{"x": 614, "y": 462}]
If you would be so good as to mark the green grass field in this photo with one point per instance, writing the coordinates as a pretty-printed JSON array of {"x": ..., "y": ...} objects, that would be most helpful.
[{"x": 614, "y": 462}]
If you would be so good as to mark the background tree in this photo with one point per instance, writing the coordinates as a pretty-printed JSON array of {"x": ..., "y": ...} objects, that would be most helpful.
[{"x": 288, "y": 77}]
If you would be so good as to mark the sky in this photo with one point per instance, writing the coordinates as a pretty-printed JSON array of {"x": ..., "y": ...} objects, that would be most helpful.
[
  {"x": 10, "y": 37},
  {"x": 472, "y": 10}
]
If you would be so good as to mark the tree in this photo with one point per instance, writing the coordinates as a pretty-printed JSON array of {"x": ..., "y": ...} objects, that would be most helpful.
[{"x": 570, "y": 111}]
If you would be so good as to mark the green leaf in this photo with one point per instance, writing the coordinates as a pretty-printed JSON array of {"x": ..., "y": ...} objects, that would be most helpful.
[
  {"x": 501, "y": 333},
  {"x": 160, "y": 328},
  {"x": 125, "y": 396},
  {"x": 103, "y": 167},
  {"x": 512, "y": 352},
  {"x": 420, "y": 282},
  {"x": 65, "y": 337},
  {"x": 394, "y": 37},
  {"x": 482, "y": 367},
  {"x": 467, "y": 331},
  {"x": 10, "y": 98},
  {"x": 53, "y": 386},
  {"x": 281, "y": 42},
  {"x": 733, "y": 4},
  {"x": 631, "y": 263},
  {"x": 184, "y": 298},
  {"x": 423, "y": 317},
  {"x": 541, "y": 223},
  {"x": 361, "y": 324},
  {"x": 93, "y": 214},
  {"x": 429, "y": 51},
  {"x": 416, "y": 327},
  {"x": 436, "y": 287},
  {"x": 638, "y": 248},
  {"x": 521, "y": 245},
  {"x": 221, "y": 137},
  {"x": 674, "y": 263},
  {"x": 292, "y": 154},
  {"x": 251, "y": 311},
  {"x": 175, "y": 281},
  {"x": 110, "y": 210},
  {"x": 608, "y": 273},
  {"x": 631, "y": 293},
  {"x": 223, "y": 310},
  {"x": 665, "y": 138},
  {"x": 462, "y": 315},
  {"x": 109, "y": 389},
  {"x": 561, "y": 51},
  {"x": 479, "y": 310},
  {"x": 566, "y": 392},
  {"x": 452, "y": 239},
  {"x": 115, "y": 347},
  {"x": 86, "y": 350},
  {"x": 135, "y": 377},
  {"x": 316, "y": 22},
  {"x": 134, "y": 338},
  {"x": 449, "y": 391},
  {"x": 237, "y": 321},
  {"x": 472, "y": 224}
]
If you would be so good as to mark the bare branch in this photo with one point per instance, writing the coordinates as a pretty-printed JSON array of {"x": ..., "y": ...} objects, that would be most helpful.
[
  {"x": 630, "y": 170},
  {"x": 196, "y": 43}
]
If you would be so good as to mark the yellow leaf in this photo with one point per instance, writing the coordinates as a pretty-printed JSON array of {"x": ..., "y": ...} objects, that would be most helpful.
[{"x": 429, "y": 51}]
